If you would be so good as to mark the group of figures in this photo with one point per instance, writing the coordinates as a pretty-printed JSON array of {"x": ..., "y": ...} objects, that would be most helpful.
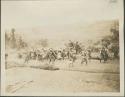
[
  {"x": 52, "y": 55},
  {"x": 72, "y": 52}
]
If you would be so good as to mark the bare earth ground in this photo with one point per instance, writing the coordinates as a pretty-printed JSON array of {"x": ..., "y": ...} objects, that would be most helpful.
[{"x": 94, "y": 77}]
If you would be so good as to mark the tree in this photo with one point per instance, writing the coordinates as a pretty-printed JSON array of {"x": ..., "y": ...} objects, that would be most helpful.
[
  {"x": 115, "y": 32},
  {"x": 7, "y": 40},
  {"x": 106, "y": 41},
  {"x": 21, "y": 43},
  {"x": 115, "y": 39},
  {"x": 12, "y": 38},
  {"x": 111, "y": 41}
]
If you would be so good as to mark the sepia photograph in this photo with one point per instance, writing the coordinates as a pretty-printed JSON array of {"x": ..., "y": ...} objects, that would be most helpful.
[{"x": 62, "y": 48}]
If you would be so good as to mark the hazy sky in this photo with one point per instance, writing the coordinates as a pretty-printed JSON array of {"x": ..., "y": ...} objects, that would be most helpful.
[
  {"x": 57, "y": 17},
  {"x": 56, "y": 12}
]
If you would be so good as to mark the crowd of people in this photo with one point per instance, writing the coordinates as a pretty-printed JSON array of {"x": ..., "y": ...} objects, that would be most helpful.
[{"x": 71, "y": 52}]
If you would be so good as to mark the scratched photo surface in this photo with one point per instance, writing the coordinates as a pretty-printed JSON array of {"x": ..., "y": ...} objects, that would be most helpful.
[{"x": 61, "y": 46}]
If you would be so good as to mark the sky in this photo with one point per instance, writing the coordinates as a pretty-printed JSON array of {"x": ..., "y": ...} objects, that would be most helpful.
[{"x": 60, "y": 18}]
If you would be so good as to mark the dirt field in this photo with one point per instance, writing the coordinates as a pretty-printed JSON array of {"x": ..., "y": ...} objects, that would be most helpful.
[{"x": 94, "y": 77}]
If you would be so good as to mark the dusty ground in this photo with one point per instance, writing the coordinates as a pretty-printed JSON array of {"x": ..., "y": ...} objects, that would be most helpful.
[{"x": 94, "y": 77}]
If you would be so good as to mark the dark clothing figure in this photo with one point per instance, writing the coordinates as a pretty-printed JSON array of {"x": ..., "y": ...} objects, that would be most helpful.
[
  {"x": 63, "y": 54},
  {"x": 52, "y": 56},
  {"x": 84, "y": 58},
  {"x": 71, "y": 45},
  {"x": 103, "y": 55},
  {"x": 78, "y": 48}
]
